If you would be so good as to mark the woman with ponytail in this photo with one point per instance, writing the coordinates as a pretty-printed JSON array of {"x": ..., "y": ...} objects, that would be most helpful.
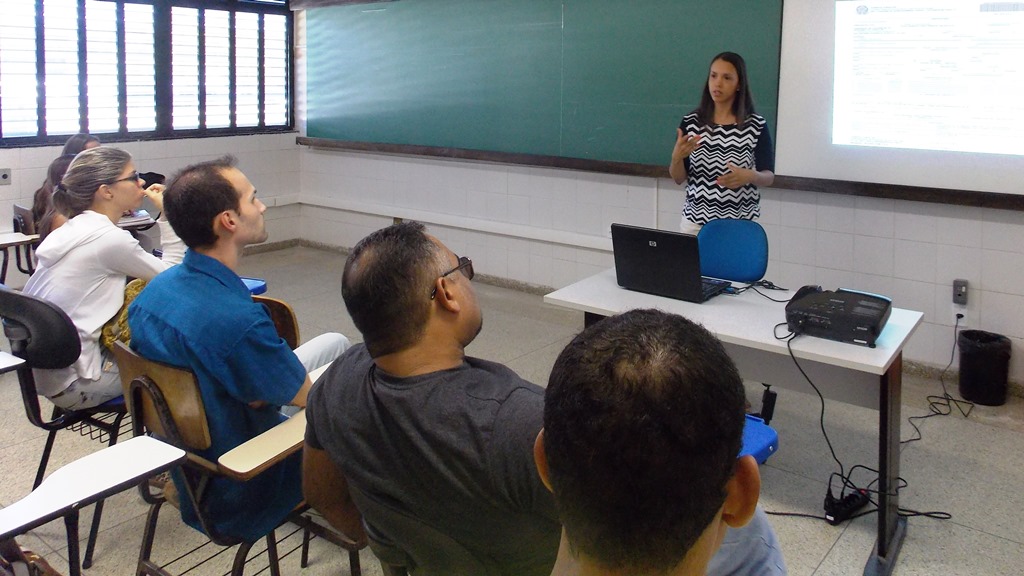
[
  {"x": 84, "y": 265},
  {"x": 45, "y": 217}
]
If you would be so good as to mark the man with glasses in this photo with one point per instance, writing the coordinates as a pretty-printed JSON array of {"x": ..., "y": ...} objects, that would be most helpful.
[
  {"x": 202, "y": 317},
  {"x": 434, "y": 448}
]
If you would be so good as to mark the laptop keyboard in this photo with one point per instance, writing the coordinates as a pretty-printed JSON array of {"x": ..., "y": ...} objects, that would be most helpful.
[{"x": 711, "y": 286}]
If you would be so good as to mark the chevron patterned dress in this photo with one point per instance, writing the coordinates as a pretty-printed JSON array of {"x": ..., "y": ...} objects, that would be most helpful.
[{"x": 747, "y": 145}]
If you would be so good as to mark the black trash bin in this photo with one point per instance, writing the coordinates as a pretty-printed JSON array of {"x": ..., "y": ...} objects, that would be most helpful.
[{"x": 984, "y": 366}]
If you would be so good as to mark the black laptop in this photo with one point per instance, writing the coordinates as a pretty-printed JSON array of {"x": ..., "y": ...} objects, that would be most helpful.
[{"x": 661, "y": 262}]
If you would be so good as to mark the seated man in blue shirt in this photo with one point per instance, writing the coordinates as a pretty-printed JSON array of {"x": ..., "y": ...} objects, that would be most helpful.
[
  {"x": 199, "y": 315},
  {"x": 643, "y": 422}
]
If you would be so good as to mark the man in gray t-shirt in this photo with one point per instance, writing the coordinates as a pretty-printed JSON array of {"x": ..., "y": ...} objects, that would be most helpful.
[{"x": 435, "y": 449}]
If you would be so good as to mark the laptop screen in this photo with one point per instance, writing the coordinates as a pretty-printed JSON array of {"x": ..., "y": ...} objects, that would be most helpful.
[{"x": 657, "y": 262}]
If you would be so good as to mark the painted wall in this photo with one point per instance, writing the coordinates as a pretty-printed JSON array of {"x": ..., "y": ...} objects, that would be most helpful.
[
  {"x": 271, "y": 162},
  {"x": 550, "y": 227}
]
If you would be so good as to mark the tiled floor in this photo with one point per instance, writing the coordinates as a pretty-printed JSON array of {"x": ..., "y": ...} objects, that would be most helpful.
[{"x": 972, "y": 468}]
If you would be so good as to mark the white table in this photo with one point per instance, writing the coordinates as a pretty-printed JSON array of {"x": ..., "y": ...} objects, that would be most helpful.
[
  {"x": 869, "y": 377},
  {"x": 85, "y": 481},
  {"x": 14, "y": 240}
]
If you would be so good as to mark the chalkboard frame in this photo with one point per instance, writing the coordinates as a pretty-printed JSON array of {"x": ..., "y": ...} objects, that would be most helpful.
[{"x": 574, "y": 78}]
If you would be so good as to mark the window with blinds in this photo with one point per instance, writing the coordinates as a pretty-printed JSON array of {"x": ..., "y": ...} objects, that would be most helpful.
[{"x": 136, "y": 68}]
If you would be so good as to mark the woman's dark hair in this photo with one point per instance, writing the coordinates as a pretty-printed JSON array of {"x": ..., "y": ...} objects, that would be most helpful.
[
  {"x": 42, "y": 201},
  {"x": 742, "y": 104},
  {"x": 78, "y": 142},
  {"x": 88, "y": 171}
]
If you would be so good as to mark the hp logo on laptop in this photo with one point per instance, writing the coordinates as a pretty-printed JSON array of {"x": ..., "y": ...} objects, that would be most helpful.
[{"x": 652, "y": 243}]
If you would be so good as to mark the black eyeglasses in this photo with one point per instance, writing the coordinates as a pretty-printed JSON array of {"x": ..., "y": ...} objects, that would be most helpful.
[
  {"x": 133, "y": 176},
  {"x": 465, "y": 264}
]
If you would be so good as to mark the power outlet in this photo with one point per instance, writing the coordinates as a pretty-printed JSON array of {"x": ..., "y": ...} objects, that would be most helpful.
[
  {"x": 960, "y": 292},
  {"x": 5, "y": 176},
  {"x": 965, "y": 321}
]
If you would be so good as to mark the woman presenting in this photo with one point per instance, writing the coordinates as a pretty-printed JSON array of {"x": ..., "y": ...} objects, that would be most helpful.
[{"x": 723, "y": 149}]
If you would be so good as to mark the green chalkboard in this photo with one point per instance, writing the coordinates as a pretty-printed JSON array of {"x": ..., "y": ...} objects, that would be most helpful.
[{"x": 591, "y": 79}]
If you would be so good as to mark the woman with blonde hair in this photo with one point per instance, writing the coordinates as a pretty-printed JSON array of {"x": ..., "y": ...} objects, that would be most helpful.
[{"x": 84, "y": 266}]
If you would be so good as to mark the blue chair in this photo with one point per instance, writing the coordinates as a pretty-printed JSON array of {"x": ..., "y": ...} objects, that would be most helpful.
[
  {"x": 737, "y": 251},
  {"x": 734, "y": 250},
  {"x": 256, "y": 286},
  {"x": 759, "y": 439}
]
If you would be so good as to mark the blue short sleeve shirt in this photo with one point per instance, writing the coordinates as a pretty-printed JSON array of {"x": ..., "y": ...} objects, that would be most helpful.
[{"x": 200, "y": 316}]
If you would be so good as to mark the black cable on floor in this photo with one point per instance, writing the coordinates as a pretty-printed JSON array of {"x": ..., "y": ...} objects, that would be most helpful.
[
  {"x": 821, "y": 419},
  {"x": 844, "y": 477},
  {"x": 941, "y": 405}
]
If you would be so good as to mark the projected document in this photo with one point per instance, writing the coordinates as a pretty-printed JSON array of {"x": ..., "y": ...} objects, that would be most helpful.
[{"x": 930, "y": 75}]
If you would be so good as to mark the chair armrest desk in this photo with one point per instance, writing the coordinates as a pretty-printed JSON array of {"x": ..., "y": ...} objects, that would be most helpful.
[{"x": 256, "y": 455}]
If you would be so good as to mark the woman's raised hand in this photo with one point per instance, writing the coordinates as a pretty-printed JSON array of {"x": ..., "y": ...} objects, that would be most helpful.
[
  {"x": 685, "y": 144},
  {"x": 156, "y": 194}
]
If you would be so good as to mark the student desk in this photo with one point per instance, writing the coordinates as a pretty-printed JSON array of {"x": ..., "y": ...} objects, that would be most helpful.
[
  {"x": 869, "y": 377},
  {"x": 250, "y": 458},
  {"x": 13, "y": 240}
]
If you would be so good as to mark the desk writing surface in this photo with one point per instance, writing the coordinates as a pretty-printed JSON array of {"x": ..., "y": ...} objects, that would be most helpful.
[
  {"x": 253, "y": 456},
  {"x": 746, "y": 320},
  {"x": 9, "y": 362},
  {"x": 87, "y": 479},
  {"x": 9, "y": 239},
  {"x": 249, "y": 458}
]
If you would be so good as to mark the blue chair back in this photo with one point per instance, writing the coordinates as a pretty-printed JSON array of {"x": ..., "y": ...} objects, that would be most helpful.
[
  {"x": 256, "y": 286},
  {"x": 759, "y": 439},
  {"x": 734, "y": 250}
]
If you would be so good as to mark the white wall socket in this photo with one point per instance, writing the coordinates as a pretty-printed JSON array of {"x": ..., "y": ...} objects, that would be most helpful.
[
  {"x": 5, "y": 176},
  {"x": 965, "y": 321}
]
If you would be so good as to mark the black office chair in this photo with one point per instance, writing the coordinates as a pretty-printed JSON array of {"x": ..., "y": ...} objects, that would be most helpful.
[{"x": 44, "y": 336}]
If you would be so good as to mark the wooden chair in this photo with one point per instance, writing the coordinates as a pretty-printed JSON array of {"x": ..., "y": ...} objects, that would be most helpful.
[
  {"x": 44, "y": 336},
  {"x": 422, "y": 548},
  {"x": 166, "y": 403},
  {"x": 283, "y": 317}
]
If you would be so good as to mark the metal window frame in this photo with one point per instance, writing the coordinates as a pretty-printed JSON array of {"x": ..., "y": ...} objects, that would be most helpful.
[{"x": 163, "y": 96}]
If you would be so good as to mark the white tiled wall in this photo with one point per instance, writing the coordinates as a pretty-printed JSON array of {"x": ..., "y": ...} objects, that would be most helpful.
[
  {"x": 271, "y": 163},
  {"x": 550, "y": 227}
]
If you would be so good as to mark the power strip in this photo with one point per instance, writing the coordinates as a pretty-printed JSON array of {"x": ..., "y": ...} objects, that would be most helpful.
[{"x": 838, "y": 511}]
